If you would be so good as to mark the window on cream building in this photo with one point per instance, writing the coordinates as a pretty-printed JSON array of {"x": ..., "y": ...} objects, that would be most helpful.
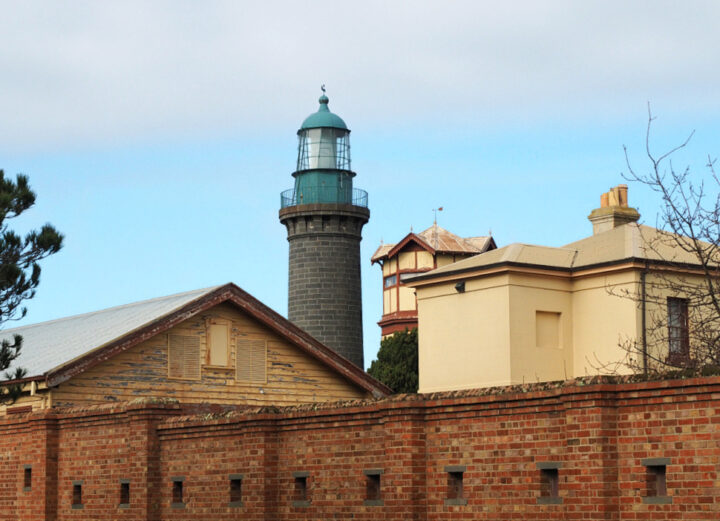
[{"x": 678, "y": 334}]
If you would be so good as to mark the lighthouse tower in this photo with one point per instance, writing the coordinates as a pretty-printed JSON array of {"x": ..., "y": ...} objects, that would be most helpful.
[{"x": 324, "y": 216}]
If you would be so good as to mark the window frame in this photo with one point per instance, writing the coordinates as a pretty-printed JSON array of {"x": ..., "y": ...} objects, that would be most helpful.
[
  {"x": 677, "y": 308},
  {"x": 390, "y": 281},
  {"x": 208, "y": 343}
]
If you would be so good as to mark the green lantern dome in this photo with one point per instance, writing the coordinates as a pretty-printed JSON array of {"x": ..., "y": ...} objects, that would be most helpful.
[
  {"x": 323, "y": 174},
  {"x": 323, "y": 118}
]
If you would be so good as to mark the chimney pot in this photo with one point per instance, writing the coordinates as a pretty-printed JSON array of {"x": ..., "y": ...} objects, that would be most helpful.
[
  {"x": 613, "y": 197},
  {"x": 613, "y": 211},
  {"x": 623, "y": 195}
]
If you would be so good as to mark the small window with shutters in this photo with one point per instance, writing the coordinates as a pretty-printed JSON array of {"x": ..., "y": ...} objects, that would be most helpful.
[
  {"x": 251, "y": 360},
  {"x": 218, "y": 343},
  {"x": 184, "y": 357}
]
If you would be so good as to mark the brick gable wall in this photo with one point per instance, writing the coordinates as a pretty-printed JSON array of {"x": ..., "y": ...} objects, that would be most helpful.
[{"x": 598, "y": 436}]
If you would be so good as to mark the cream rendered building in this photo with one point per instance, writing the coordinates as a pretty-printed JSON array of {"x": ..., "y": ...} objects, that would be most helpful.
[{"x": 525, "y": 313}]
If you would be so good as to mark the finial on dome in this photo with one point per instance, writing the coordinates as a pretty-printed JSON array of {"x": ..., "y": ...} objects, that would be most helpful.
[
  {"x": 323, "y": 118},
  {"x": 323, "y": 99}
]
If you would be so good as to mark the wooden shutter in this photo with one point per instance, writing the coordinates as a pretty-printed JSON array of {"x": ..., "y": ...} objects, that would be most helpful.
[
  {"x": 218, "y": 344},
  {"x": 251, "y": 360},
  {"x": 184, "y": 357}
]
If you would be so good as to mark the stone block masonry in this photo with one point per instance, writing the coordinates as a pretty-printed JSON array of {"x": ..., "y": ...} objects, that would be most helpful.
[
  {"x": 324, "y": 290},
  {"x": 574, "y": 451}
]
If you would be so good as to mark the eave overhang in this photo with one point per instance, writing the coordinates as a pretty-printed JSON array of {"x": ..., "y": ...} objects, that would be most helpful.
[
  {"x": 555, "y": 271},
  {"x": 244, "y": 301},
  {"x": 410, "y": 237}
]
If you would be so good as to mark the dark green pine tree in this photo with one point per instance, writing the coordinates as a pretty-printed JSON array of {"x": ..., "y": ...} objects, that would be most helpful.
[
  {"x": 19, "y": 268},
  {"x": 397, "y": 362}
]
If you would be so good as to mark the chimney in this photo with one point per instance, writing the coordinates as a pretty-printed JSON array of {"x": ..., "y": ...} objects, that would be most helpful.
[{"x": 614, "y": 210}]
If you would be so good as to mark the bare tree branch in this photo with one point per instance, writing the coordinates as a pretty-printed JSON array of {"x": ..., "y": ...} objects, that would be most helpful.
[{"x": 685, "y": 250}]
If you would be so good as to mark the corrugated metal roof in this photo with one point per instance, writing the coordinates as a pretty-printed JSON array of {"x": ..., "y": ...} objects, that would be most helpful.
[
  {"x": 481, "y": 243},
  {"x": 49, "y": 345},
  {"x": 442, "y": 241},
  {"x": 381, "y": 252}
]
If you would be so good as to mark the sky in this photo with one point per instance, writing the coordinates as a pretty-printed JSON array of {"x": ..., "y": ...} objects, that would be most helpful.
[{"x": 159, "y": 135}]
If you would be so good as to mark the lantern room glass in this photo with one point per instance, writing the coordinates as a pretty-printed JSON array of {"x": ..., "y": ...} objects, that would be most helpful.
[{"x": 324, "y": 148}]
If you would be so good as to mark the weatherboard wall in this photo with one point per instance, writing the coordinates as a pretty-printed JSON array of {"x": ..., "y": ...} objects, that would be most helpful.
[
  {"x": 26, "y": 402},
  {"x": 142, "y": 371}
]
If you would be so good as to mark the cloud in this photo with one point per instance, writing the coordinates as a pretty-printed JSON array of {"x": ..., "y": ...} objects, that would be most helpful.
[{"x": 92, "y": 72}]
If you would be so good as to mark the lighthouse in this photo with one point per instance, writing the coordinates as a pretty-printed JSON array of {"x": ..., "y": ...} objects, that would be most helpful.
[{"x": 324, "y": 215}]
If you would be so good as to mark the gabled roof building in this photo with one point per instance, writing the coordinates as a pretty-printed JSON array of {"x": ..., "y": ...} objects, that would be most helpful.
[
  {"x": 415, "y": 254},
  {"x": 216, "y": 345},
  {"x": 220, "y": 345}
]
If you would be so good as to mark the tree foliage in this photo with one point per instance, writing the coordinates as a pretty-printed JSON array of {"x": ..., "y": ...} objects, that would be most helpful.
[
  {"x": 688, "y": 248},
  {"x": 19, "y": 268},
  {"x": 397, "y": 362}
]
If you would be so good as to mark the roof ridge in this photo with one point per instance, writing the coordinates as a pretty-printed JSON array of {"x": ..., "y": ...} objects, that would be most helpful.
[
  {"x": 536, "y": 246},
  {"x": 200, "y": 292},
  {"x": 470, "y": 242},
  {"x": 437, "y": 226}
]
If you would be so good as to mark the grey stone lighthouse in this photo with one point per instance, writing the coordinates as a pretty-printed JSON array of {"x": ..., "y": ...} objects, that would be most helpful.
[{"x": 324, "y": 216}]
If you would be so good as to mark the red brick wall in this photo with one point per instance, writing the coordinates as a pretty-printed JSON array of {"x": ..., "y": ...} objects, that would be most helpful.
[{"x": 598, "y": 435}]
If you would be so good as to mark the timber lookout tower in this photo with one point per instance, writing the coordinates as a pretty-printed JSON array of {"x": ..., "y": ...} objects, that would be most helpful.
[{"x": 324, "y": 216}]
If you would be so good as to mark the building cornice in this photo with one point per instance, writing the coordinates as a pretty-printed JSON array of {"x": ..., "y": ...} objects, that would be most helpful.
[{"x": 553, "y": 271}]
